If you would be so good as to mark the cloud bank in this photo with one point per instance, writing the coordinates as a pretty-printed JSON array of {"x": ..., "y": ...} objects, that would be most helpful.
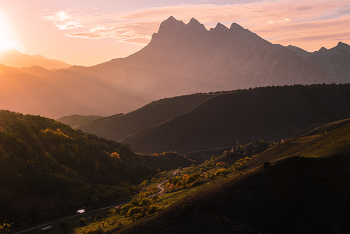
[{"x": 286, "y": 22}]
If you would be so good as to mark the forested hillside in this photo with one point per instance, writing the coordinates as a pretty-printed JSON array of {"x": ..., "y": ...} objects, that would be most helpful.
[{"x": 48, "y": 169}]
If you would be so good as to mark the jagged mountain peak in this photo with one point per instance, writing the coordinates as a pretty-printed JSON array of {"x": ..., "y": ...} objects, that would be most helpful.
[
  {"x": 219, "y": 26},
  {"x": 323, "y": 49},
  {"x": 193, "y": 21},
  {"x": 235, "y": 27},
  {"x": 169, "y": 24},
  {"x": 194, "y": 25},
  {"x": 343, "y": 46}
]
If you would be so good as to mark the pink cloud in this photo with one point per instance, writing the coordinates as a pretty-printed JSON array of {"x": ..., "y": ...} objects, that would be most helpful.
[
  {"x": 68, "y": 25},
  {"x": 284, "y": 21}
]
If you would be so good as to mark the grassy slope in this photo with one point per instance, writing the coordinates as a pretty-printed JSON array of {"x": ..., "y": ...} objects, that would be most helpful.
[
  {"x": 294, "y": 195},
  {"x": 120, "y": 126},
  {"x": 266, "y": 112}
]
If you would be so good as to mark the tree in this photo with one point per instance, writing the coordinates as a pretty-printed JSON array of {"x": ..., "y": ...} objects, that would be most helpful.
[
  {"x": 155, "y": 197},
  {"x": 97, "y": 166},
  {"x": 5, "y": 227},
  {"x": 135, "y": 202},
  {"x": 99, "y": 217},
  {"x": 64, "y": 224},
  {"x": 145, "y": 201},
  {"x": 81, "y": 221}
]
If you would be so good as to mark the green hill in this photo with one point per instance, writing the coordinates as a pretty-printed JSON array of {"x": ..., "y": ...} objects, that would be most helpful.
[
  {"x": 119, "y": 126},
  {"x": 261, "y": 113},
  {"x": 48, "y": 169},
  {"x": 304, "y": 190}
]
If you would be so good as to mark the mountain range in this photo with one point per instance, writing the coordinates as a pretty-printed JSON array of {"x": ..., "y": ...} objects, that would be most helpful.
[
  {"x": 13, "y": 58},
  {"x": 180, "y": 59},
  {"x": 334, "y": 61},
  {"x": 189, "y": 59}
]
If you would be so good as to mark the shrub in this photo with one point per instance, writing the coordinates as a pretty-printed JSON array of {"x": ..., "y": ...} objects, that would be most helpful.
[
  {"x": 152, "y": 209},
  {"x": 134, "y": 210},
  {"x": 99, "y": 217},
  {"x": 5, "y": 227},
  {"x": 221, "y": 172},
  {"x": 135, "y": 202},
  {"x": 155, "y": 198},
  {"x": 64, "y": 224},
  {"x": 99, "y": 230},
  {"x": 174, "y": 181},
  {"x": 145, "y": 201},
  {"x": 266, "y": 164},
  {"x": 124, "y": 210},
  {"x": 117, "y": 210},
  {"x": 81, "y": 221}
]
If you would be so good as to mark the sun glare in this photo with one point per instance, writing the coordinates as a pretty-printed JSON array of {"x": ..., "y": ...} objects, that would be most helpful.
[{"x": 7, "y": 38}]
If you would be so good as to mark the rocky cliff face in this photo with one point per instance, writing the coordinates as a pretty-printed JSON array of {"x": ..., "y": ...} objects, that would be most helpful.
[
  {"x": 222, "y": 58},
  {"x": 187, "y": 58}
]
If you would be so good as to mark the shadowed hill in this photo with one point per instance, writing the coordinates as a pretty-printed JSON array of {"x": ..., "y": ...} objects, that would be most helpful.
[
  {"x": 48, "y": 169},
  {"x": 295, "y": 194},
  {"x": 14, "y": 58},
  {"x": 76, "y": 120},
  {"x": 266, "y": 112},
  {"x": 120, "y": 126}
]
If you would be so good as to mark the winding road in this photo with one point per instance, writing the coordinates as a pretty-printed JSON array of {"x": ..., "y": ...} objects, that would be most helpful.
[
  {"x": 160, "y": 185},
  {"x": 57, "y": 220}
]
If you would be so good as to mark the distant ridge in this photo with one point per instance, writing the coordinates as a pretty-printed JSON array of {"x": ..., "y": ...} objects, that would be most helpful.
[
  {"x": 334, "y": 61},
  {"x": 76, "y": 120},
  {"x": 263, "y": 113},
  {"x": 13, "y": 58},
  {"x": 120, "y": 126}
]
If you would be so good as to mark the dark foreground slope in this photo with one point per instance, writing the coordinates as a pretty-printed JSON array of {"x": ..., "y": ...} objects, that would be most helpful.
[
  {"x": 295, "y": 194},
  {"x": 117, "y": 127},
  {"x": 266, "y": 112},
  {"x": 48, "y": 169}
]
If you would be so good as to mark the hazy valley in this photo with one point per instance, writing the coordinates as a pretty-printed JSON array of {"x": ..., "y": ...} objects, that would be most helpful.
[{"x": 201, "y": 131}]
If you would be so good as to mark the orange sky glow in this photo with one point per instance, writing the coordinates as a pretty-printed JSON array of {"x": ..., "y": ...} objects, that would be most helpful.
[{"x": 90, "y": 32}]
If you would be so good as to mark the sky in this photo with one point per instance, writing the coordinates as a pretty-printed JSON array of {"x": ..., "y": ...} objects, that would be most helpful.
[{"x": 88, "y": 32}]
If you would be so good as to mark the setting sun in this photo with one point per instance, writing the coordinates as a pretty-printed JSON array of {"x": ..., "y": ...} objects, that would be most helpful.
[{"x": 7, "y": 40}]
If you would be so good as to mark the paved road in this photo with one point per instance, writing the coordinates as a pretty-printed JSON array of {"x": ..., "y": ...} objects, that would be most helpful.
[
  {"x": 84, "y": 214},
  {"x": 160, "y": 185}
]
